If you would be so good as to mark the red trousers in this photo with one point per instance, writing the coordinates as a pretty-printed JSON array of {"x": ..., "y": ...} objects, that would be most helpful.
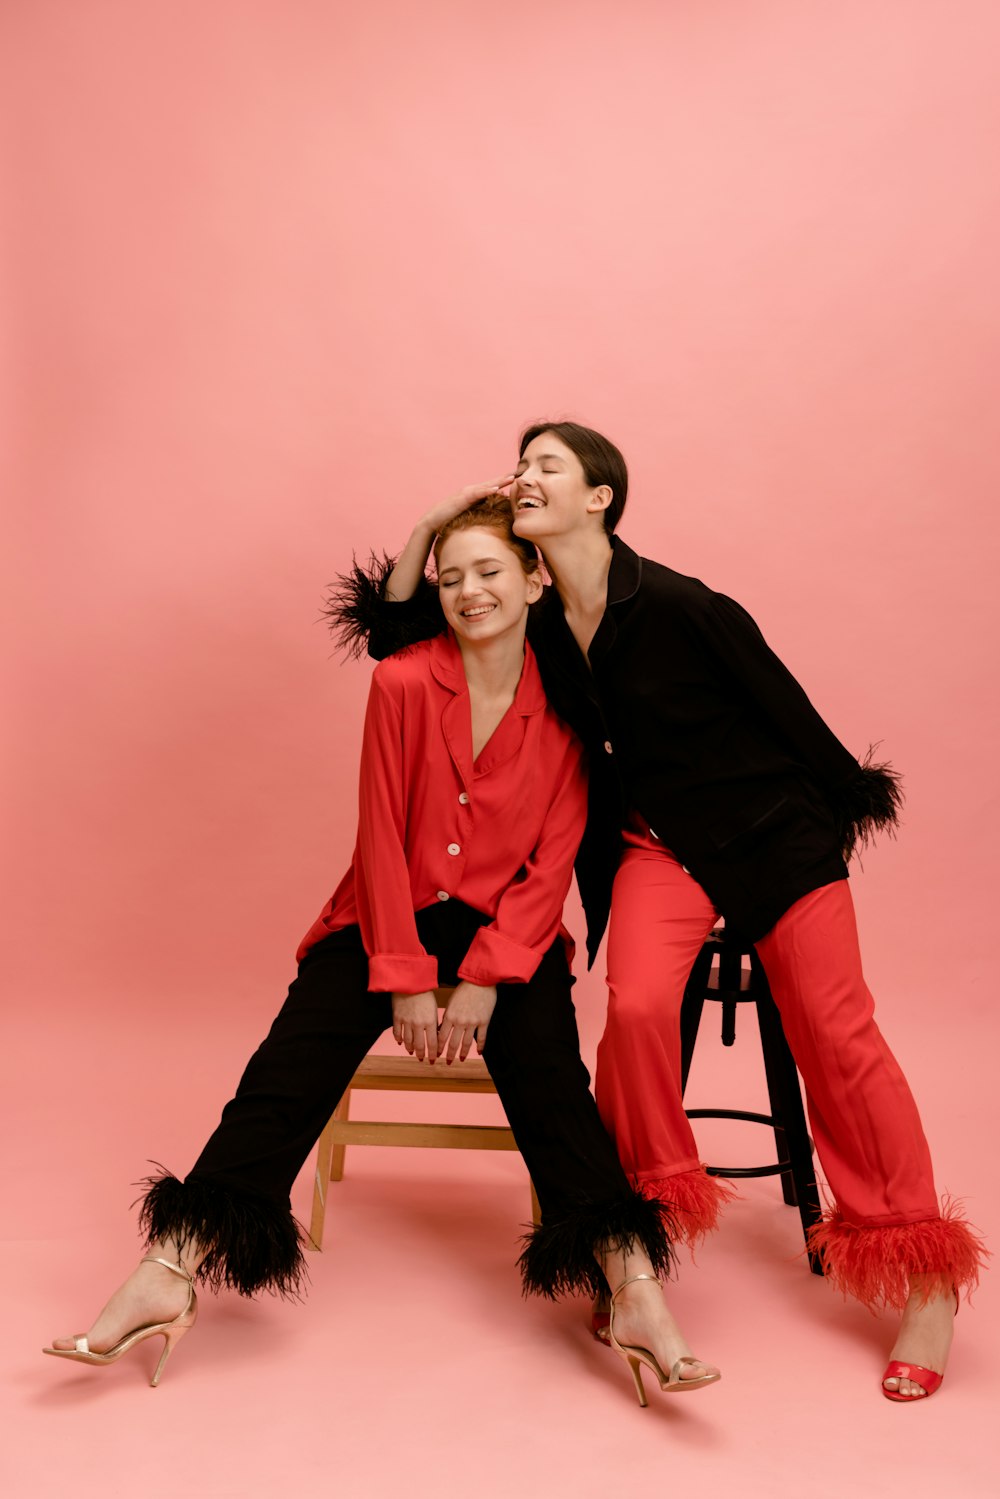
[{"x": 886, "y": 1225}]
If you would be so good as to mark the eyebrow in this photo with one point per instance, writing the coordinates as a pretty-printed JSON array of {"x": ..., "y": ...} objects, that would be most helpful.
[
  {"x": 545, "y": 458},
  {"x": 478, "y": 563}
]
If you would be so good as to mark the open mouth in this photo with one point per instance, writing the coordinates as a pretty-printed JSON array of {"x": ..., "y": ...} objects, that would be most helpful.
[
  {"x": 479, "y": 611},
  {"x": 528, "y": 502}
]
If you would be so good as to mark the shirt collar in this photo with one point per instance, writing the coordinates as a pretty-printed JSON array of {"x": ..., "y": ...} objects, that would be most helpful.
[
  {"x": 625, "y": 572},
  {"x": 446, "y": 667}
]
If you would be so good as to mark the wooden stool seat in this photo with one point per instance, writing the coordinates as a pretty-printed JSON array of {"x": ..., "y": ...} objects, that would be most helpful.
[{"x": 405, "y": 1074}]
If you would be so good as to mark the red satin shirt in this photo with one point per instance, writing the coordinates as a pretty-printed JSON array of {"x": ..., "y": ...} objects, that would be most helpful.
[{"x": 499, "y": 833}]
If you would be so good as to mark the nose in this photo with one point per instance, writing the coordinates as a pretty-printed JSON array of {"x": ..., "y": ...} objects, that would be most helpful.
[{"x": 470, "y": 586}]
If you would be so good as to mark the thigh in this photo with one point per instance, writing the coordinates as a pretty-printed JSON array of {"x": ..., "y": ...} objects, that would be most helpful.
[
  {"x": 813, "y": 964},
  {"x": 537, "y": 1019},
  {"x": 660, "y": 917},
  {"x": 298, "y": 1073},
  {"x": 533, "y": 1053},
  {"x": 324, "y": 1028}
]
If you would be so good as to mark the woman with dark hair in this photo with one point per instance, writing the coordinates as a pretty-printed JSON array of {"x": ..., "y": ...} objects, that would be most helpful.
[
  {"x": 472, "y": 803},
  {"x": 717, "y": 789}
]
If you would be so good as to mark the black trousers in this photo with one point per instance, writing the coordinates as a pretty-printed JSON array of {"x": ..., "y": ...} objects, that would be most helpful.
[{"x": 236, "y": 1197}]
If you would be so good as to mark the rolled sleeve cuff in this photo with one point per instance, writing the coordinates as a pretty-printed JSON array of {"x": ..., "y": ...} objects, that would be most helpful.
[
  {"x": 402, "y": 973},
  {"x": 496, "y": 959}
]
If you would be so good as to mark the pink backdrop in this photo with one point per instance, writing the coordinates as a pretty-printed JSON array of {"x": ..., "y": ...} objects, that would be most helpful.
[
  {"x": 279, "y": 274},
  {"x": 286, "y": 273}
]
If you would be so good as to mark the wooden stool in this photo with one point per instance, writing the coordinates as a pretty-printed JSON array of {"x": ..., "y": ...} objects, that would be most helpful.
[
  {"x": 396, "y": 1074},
  {"x": 719, "y": 974}
]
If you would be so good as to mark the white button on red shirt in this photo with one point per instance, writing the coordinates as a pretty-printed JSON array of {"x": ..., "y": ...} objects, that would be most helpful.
[
  {"x": 463, "y": 797},
  {"x": 515, "y": 860}
]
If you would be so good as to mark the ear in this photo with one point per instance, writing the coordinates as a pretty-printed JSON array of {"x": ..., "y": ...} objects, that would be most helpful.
[
  {"x": 600, "y": 499},
  {"x": 535, "y": 585}
]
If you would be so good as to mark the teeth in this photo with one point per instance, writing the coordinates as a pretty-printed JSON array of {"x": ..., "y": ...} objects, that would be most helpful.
[
  {"x": 529, "y": 504},
  {"x": 475, "y": 613}
]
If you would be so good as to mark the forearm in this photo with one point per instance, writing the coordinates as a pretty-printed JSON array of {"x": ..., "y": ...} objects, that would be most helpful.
[
  {"x": 403, "y": 581},
  {"x": 405, "y": 577}
]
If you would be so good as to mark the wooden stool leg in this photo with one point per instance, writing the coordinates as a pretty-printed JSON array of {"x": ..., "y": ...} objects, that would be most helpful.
[
  {"x": 536, "y": 1209},
  {"x": 341, "y": 1113},
  {"x": 329, "y": 1167}
]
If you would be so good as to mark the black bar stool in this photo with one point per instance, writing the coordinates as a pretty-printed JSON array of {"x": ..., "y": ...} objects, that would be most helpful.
[{"x": 719, "y": 974}]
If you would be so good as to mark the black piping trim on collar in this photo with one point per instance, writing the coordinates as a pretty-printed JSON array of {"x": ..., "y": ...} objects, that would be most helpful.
[{"x": 625, "y": 572}]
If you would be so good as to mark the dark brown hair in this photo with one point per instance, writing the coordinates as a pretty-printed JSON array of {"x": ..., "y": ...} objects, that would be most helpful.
[
  {"x": 602, "y": 462},
  {"x": 493, "y": 514}
]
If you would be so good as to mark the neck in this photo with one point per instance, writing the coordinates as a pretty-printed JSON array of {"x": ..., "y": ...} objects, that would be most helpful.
[
  {"x": 578, "y": 565},
  {"x": 493, "y": 667}
]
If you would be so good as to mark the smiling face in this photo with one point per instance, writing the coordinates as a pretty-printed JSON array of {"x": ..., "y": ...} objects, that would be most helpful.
[
  {"x": 482, "y": 584},
  {"x": 551, "y": 496}
]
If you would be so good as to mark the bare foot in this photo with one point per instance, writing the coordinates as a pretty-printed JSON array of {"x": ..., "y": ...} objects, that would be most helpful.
[
  {"x": 925, "y": 1335},
  {"x": 643, "y": 1320},
  {"x": 151, "y": 1294}
]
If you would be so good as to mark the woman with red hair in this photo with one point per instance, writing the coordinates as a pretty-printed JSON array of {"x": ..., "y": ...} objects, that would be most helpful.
[{"x": 472, "y": 804}]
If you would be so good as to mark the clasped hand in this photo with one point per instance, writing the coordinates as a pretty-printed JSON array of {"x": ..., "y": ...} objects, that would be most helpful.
[{"x": 466, "y": 1017}]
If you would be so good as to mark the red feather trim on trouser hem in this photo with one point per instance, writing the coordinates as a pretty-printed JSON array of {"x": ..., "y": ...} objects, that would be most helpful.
[
  {"x": 876, "y": 1264},
  {"x": 695, "y": 1200}
]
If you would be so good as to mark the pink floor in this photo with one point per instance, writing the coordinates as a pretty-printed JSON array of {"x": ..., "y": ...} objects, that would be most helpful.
[{"x": 414, "y": 1366}]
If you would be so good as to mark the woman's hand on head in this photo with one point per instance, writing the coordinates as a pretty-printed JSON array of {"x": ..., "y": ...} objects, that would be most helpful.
[
  {"x": 439, "y": 517},
  {"x": 408, "y": 573},
  {"x": 466, "y": 1018},
  {"x": 415, "y": 1024}
]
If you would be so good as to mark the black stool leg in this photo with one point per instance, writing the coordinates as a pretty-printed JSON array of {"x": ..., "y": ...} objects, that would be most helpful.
[
  {"x": 791, "y": 1133},
  {"x": 691, "y": 1007},
  {"x": 776, "y": 1070}
]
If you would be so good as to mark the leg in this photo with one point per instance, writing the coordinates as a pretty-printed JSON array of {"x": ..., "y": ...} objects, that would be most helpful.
[
  {"x": 230, "y": 1220},
  {"x": 533, "y": 1053},
  {"x": 660, "y": 918},
  {"x": 591, "y": 1215},
  {"x": 886, "y": 1241}
]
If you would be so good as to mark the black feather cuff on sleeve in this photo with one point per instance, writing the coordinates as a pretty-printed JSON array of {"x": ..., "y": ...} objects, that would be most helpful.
[
  {"x": 867, "y": 804},
  {"x": 362, "y": 620}
]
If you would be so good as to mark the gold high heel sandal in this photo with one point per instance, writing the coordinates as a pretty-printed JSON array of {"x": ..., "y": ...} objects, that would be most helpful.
[
  {"x": 171, "y": 1332},
  {"x": 635, "y": 1357}
]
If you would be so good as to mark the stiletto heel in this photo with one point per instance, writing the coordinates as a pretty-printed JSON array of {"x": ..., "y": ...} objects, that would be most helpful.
[
  {"x": 636, "y": 1368},
  {"x": 171, "y": 1332},
  {"x": 635, "y": 1357}
]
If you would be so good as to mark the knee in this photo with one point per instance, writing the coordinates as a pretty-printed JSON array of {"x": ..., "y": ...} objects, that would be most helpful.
[{"x": 639, "y": 1002}]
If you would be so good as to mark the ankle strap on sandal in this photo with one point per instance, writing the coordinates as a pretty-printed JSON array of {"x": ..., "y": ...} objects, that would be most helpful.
[
  {"x": 630, "y": 1281},
  {"x": 154, "y": 1259}
]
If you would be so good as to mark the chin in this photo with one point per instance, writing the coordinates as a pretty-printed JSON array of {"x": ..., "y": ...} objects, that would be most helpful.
[{"x": 525, "y": 515}]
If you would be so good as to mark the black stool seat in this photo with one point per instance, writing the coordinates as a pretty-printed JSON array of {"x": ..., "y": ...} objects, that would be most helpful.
[{"x": 719, "y": 974}]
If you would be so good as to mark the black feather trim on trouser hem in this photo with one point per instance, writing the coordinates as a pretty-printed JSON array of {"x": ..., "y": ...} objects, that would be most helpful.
[
  {"x": 252, "y": 1244},
  {"x": 558, "y": 1256}
]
